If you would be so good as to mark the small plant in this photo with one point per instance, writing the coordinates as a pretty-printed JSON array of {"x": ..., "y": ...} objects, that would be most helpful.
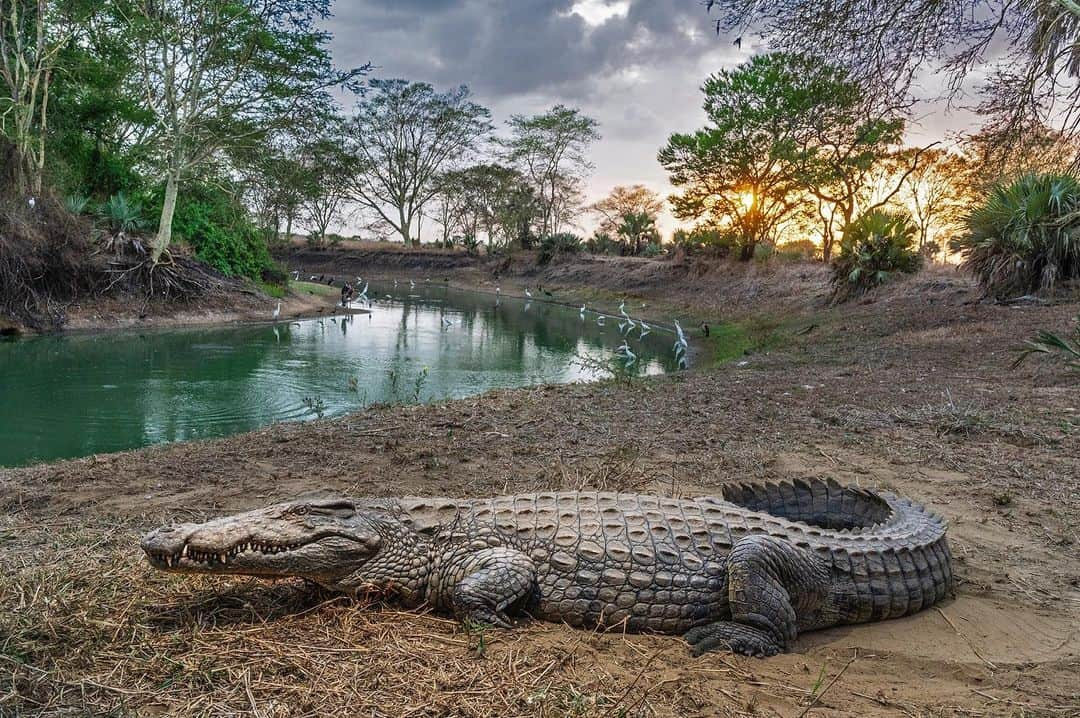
[
  {"x": 471, "y": 244},
  {"x": 315, "y": 405},
  {"x": 602, "y": 243},
  {"x": 76, "y": 204},
  {"x": 1064, "y": 349},
  {"x": 553, "y": 245},
  {"x": 418, "y": 385},
  {"x": 121, "y": 214},
  {"x": 1003, "y": 499},
  {"x": 653, "y": 249},
  {"x": 875, "y": 246},
  {"x": 612, "y": 368},
  {"x": 1025, "y": 237}
]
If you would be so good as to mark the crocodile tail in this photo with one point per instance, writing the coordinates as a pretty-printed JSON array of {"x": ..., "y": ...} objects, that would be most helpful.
[{"x": 893, "y": 550}]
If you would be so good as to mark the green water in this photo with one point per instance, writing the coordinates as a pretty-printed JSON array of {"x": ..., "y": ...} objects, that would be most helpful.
[{"x": 77, "y": 395}]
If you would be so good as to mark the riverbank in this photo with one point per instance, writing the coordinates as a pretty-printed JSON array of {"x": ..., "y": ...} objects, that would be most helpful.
[{"x": 910, "y": 390}]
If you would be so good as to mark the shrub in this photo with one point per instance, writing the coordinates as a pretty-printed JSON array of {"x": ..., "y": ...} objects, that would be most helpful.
[
  {"x": 1026, "y": 236},
  {"x": 76, "y": 204},
  {"x": 471, "y": 244},
  {"x": 875, "y": 246},
  {"x": 706, "y": 241},
  {"x": 1062, "y": 348},
  {"x": 800, "y": 249},
  {"x": 122, "y": 214},
  {"x": 553, "y": 245},
  {"x": 603, "y": 243},
  {"x": 218, "y": 228},
  {"x": 653, "y": 249}
]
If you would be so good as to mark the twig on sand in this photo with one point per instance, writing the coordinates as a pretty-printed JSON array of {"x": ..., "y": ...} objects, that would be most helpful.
[
  {"x": 971, "y": 645},
  {"x": 831, "y": 683}
]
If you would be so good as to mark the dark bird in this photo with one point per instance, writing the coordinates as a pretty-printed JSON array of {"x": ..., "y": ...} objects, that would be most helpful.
[
  {"x": 705, "y": 329},
  {"x": 709, "y": 4},
  {"x": 330, "y": 282},
  {"x": 719, "y": 27},
  {"x": 738, "y": 42}
]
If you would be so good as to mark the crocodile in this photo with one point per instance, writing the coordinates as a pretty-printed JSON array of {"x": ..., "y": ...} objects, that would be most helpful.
[{"x": 745, "y": 572}]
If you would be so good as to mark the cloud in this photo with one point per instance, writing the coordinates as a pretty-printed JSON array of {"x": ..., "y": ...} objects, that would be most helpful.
[{"x": 635, "y": 65}]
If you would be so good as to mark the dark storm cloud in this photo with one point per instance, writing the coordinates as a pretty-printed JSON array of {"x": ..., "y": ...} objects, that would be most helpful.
[{"x": 515, "y": 47}]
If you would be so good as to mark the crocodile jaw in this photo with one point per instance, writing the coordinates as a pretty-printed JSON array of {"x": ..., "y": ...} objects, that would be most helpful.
[{"x": 320, "y": 540}]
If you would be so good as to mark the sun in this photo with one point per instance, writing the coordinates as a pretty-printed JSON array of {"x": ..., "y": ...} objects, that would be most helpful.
[{"x": 747, "y": 200}]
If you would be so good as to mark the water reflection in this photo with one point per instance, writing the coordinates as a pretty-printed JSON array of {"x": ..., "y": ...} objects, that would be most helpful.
[{"x": 82, "y": 394}]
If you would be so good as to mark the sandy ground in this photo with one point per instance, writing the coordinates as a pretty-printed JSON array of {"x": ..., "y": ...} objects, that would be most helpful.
[{"x": 909, "y": 390}]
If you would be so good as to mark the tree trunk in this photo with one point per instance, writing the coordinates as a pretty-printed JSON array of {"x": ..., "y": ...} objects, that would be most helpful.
[{"x": 164, "y": 233}]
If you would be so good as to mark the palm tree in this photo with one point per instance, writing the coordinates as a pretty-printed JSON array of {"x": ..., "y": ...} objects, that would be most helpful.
[{"x": 637, "y": 230}]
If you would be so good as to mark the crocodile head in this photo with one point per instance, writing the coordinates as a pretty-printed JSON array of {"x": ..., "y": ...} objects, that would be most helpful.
[{"x": 319, "y": 539}]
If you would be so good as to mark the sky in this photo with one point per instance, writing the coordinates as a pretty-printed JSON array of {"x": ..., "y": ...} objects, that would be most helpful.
[{"x": 636, "y": 66}]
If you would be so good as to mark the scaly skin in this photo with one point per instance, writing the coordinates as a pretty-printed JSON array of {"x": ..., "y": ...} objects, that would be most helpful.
[{"x": 746, "y": 573}]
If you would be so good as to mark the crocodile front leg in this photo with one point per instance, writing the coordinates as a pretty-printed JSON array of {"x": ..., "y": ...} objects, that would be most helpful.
[
  {"x": 770, "y": 583},
  {"x": 487, "y": 582}
]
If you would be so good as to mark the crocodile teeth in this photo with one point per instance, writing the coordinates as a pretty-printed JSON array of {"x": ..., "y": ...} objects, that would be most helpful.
[
  {"x": 184, "y": 552},
  {"x": 222, "y": 557}
]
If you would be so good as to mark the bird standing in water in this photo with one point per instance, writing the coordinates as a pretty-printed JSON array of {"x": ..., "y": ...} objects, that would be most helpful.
[{"x": 277, "y": 311}]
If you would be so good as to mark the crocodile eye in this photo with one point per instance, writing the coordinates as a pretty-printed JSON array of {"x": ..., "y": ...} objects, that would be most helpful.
[{"x": 300, "y": 510}]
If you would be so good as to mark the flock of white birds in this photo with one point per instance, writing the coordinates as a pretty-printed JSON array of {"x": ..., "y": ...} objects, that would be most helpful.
[{"x": 627, "y": 324}]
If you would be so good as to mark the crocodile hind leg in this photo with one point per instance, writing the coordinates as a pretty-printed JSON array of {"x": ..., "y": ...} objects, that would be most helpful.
[
  {"x": 492, "y": 580},
  {"x": 770, "y": 583}
]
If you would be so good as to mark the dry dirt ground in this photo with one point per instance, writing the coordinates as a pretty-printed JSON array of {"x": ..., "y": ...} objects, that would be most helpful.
[{"x": 910, "y": 390}]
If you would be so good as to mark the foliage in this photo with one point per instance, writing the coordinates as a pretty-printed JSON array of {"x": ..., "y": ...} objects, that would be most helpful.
[
  {"x": 553, "y": 245},
  {"x": 875, "y": 246},
  {"x": 404, "y": 134},
  {"x": 706, "y": 241},
  {"x": 800, "y": 249},
  {"x": 221, "y": 233},
  {"x": 637, "y": 230},
  {"x": 602, "y": 243},
  {"x": 1030, "y": 76},
  {"x": 488, "y": 200},
  {"x": 623, "y": 200},
  {"x": 76, "y": 204},
  {"x": 653, "y": 249},
  {"x": 122, "y": 214},
  {"x": 1025, "y": 237},
  {"x": 782, "y": 128},
  {"x": 1062, "y": 348},
  {"x": 550, "y": 150},
  {"x": 221, "y": 77}
]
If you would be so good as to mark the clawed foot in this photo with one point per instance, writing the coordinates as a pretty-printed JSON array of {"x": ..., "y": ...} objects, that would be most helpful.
[
  {"x": 734, "y": 637},
  {"x": 486, "y": 618}
]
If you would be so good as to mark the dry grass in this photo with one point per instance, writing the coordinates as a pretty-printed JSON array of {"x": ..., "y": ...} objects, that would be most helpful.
[{"x": 88, "y": 629}]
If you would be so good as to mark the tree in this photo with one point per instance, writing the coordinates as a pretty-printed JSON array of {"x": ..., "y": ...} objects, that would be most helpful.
[
  {"x": 624, "y": 200},
  {"x": 638, "y": 230},
  {"x": 327, "y": 170},
  {"x": 748, "y": 169},
  {"x": 936, "y": 196},
  {"x": 403, "y": 135},
  {"x": 33, "y": 33},
  {"x": 551, "y": 150},
  {"x": 221, "y": 76},
  {"x": 885, "y": 46}
]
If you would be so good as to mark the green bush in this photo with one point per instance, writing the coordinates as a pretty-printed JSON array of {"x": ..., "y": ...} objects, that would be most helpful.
[
  {"x": 603, "y": 243},
  {"x": 875, "y": 246},
  {"x": 121, "y": 213},
  {"x": 553, "y": 245},
  {"x": 653, "y": 249},
  {"x": 706, "y": 241},
  {"x": 1026, "y": 236},
  {"x": 76, "y": 204},
  {"x": 1062, "y": 348},
  {"x": 219, "y": 230}
]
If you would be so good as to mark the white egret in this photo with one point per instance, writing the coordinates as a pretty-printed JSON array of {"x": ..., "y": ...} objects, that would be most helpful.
[
  {"x": 630, "y": 356},
  {"x": 447, "y": 322},
  {"x": 277, "y": 311},
  {"x": 645, "y": 329},
  {"x": 528, "y": 293},
  {"x": 581, "y": 312},
  {"x": 600, "y": 320}
]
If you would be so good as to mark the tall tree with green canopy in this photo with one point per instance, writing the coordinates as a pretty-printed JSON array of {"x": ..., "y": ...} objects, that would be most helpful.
[
  {"x": 1026, "y": 53},
  {"x": 403, "y": 135},
  {"x": 221, "y": 75},
  {"x": 33, "y": 34},
  {"x": 781, "y": 127},
  {"x": 551, "y": 150}
]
